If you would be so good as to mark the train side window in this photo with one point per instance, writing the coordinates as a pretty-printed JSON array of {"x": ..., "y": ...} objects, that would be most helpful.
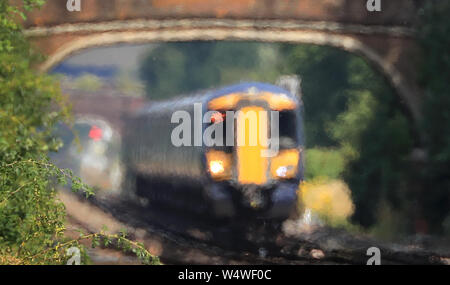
[{"x": 288, "y": 129}]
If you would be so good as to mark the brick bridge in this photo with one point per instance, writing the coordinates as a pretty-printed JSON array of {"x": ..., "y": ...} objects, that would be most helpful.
[{"x": 386, "y": 39}]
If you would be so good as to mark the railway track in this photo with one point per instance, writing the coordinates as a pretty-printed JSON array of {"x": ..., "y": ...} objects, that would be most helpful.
[
  {"x": 195, "y": 232},
  {"x": 187, "y": 238}
]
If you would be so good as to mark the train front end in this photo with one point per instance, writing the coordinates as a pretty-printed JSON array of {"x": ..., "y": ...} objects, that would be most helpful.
[{"x": 257, "y": 168}]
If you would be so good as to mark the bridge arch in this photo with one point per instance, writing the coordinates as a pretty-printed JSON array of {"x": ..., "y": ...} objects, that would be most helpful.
[
  {"x": 346, "y": 42},
  {"x": 386, "y": 39}
]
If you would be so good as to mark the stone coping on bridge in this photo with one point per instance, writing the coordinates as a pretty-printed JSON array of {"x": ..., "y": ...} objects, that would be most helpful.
[{"x": 142, "y": 24}]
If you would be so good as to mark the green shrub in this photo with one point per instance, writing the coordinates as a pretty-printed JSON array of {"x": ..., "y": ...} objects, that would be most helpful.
[
  {"x": 433, "y": 35},
  {"x": 323, "y": 163},
  {"x": 32, "y": 219}
]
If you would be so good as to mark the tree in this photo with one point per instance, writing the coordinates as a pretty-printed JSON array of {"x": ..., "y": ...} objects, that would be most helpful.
[
  {"x": 324, "y": 72},
  {"x": 179, "y": 68},
  {"x": 352, "y": 114},
  {"x": 433, "y": 34}
]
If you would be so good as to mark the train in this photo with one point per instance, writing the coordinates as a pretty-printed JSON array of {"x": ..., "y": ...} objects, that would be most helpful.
[{"x": 199, "y": 152}]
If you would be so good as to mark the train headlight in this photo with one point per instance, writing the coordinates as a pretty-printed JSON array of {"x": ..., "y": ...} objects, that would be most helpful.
[
  {"x": 216, "y": 167},
  {"x": 283, "y": 171},
  {"x": 219, "y": 164},
  {"x": 285, "y": 164}
]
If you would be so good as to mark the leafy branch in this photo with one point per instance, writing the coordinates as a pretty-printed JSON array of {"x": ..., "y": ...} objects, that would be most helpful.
[
  {"x": 63, "y": 175},
  {"x": 119, "y": 241}
]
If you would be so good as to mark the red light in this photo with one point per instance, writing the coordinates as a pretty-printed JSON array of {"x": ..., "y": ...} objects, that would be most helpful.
[
  {"x": 95, "y": 133},
  {"x": 217, "y": 117}
]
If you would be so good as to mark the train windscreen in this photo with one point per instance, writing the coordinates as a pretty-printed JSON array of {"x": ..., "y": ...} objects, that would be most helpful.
[{"x": 288, "y": 129}]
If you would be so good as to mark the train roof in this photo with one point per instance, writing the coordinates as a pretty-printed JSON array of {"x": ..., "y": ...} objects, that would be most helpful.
[
  {"x": 246, "y": 86},
  {"x": 207, "y": 95}
]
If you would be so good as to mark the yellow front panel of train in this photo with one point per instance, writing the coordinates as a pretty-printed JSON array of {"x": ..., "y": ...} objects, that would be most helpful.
[{"x": 251, "y": 140}]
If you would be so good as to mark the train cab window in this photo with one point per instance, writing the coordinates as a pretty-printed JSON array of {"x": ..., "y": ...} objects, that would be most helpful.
[
  {"x": 288, "y": 129},
  {"x": 220, "y": 118}
]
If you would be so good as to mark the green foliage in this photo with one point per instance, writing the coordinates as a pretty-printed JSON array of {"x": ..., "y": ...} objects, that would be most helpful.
[
  {"x": 355, "y": 118},
  {"x": 376, "y": 141},
  {"x": 324, "y": 163},
  {"x": 349, "y": 126},
  {"x": 325, "y": 79},
  {"x": 32, "y": 218},
  {"x": 102, "y": 239},
  {"x": 374, "y": 135},
  {"x": 433, "y": 33},
  {"x": 178, "y": 68},
  {"x": 29, "y": 214}
]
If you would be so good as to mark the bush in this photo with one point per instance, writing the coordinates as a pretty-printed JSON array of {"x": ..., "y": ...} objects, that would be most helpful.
[
  {"x": 323, "y": 163},
  {"x": 433, "y": 33},
  {"x": 31, "y": 217},
  {"x": 330, "y": 199}
]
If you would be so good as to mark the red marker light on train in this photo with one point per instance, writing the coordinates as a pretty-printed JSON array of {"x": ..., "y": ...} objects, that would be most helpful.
[
  {"x": 96, "y": 133},
  {"x": 217, "y": 117}
]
